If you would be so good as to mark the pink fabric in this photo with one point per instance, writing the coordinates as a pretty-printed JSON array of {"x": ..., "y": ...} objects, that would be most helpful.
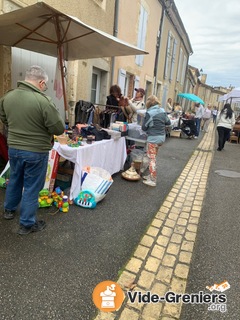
[{"x": 58, "y": 81}]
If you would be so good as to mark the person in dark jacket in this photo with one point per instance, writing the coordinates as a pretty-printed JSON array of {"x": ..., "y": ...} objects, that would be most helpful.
[
  {"x": 154, "y": 124},
  {"x": 32, "y": 120},
  {"x": 115, "y": 95},
  {"x": 117, "y": 100}
]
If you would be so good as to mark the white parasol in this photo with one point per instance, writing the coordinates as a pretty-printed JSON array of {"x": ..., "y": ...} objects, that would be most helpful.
[{"x": 43, "y": 29}]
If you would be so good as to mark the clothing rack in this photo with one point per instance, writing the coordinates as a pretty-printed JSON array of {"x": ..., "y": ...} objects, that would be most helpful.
[
  {"x": 106, "y": 105},
  {"x": 101, "y": 114},
  {"x": 109, "y": 113}
]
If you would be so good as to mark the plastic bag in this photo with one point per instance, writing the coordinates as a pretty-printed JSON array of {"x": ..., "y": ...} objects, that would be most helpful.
[{"x": 96, "y": 180}]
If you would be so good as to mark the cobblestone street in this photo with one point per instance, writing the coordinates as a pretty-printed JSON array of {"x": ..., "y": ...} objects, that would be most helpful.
[{"x": 162, "y": 259}]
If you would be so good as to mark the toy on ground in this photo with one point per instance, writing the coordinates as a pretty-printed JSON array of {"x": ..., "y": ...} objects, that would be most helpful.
[
  {"x": 86, "y": 199},
  {"x": 60, "y": 200},
  {"x": 65, "y": 204},
  {"x": 44, "y": 198},
  {"x": 4, "y": 176},
  {"x": 57, "y": 197}
]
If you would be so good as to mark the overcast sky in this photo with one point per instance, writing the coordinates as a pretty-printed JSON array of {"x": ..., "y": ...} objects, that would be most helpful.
[{"x": 213, "y": 27}]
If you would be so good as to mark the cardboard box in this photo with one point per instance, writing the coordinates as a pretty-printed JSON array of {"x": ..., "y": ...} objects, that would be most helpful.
[
  {"x": 63, "y": 181},
  {"x": 175, "y": 133},
  {"x": 52, "y": 169}
]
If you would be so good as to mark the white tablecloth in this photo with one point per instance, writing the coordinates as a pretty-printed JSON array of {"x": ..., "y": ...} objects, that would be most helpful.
[
  {"x": 174, "y": 123},
  {"x": 107, "y": 154}
]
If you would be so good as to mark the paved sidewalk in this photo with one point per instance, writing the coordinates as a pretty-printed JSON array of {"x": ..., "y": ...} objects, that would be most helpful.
[{"x": 161, "y": 261}]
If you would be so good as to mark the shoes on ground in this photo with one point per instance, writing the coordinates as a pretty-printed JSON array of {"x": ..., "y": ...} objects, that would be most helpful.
[
  {"x": 8, "y": 214},
  {"x": 218, "y": 149},
  {"x": 195, "y": 137},
  {"x": 150, "y": 182},
  {"x": 146, "y": 177},
  {"x": 38, "y": 226}
]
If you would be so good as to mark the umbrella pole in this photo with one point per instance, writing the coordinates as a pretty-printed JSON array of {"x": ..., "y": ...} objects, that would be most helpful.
[{"x": 63, "y": 83}]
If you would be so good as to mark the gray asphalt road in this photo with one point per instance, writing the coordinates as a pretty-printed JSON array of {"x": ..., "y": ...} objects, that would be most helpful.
[
  {"x": 216, "y": 255},
  {"x": 51, "y": 274}
]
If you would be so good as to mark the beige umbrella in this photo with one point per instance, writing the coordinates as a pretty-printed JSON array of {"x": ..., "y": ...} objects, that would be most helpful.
[{"x": 43, "y": 29}]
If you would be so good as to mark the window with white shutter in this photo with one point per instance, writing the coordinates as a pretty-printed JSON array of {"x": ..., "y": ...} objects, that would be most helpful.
[
  {"x": 122, "y": 79},
  {"x": 184, "y": 69},
  {"x": 173, "y": 59},
  {"x": 168, "y": 56},
  {"x": 142, "y": 31},
  {"x": 180, "y": 61}
]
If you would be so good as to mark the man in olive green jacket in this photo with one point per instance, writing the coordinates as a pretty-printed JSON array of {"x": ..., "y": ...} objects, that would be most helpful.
[{"x": 32, "y": 120}]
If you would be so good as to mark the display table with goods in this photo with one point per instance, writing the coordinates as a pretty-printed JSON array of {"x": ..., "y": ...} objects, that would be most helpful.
[
  {"x": 107, "y": 154},
  {"x": 174, "y": 130},
  {"x": 175, "y": 122}
]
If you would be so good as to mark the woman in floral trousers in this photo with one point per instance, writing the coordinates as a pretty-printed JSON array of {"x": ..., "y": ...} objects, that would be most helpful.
[{"x": 154, "y": 124}]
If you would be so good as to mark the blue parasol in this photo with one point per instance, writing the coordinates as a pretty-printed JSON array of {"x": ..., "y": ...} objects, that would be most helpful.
[{"x": 192, "y": 97}]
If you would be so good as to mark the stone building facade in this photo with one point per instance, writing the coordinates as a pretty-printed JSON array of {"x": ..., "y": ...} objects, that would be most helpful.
[{"x": 152, "y": 25}]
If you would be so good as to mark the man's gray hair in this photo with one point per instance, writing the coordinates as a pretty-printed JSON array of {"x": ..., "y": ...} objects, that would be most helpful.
[{"x": 36, "y": 73}]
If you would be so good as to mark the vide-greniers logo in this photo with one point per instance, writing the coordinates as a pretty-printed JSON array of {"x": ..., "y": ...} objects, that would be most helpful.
[
  {"x": 108, "y": 296},
  {"x": 216, "y": 301}
]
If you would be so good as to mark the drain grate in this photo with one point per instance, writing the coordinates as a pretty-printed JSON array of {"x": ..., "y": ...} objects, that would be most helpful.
[{"x": 228, "y": 173}]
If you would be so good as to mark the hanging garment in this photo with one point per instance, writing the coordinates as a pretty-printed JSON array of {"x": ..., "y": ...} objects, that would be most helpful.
[{"x": 82, "y": 111}]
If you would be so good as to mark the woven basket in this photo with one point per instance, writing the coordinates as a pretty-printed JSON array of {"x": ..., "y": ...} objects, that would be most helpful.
[{"x": 62, "y": 139}]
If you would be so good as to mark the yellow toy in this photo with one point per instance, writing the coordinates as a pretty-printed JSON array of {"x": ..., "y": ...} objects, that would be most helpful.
[
  {"x": 65, "y": 204},
  {"x": 44, "y": 199},
  {"x": 60, "y": 200}
]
